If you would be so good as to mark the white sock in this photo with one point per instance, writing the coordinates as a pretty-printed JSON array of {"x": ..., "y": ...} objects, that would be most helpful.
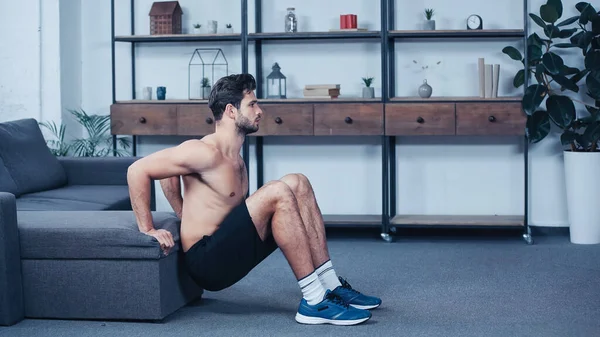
[
  {"x": 327, "y": 276},
  {"x": 312, "y": 289}
]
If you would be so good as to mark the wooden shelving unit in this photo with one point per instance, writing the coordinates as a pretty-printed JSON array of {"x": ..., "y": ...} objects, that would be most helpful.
[{"x": 386, "y": 117}]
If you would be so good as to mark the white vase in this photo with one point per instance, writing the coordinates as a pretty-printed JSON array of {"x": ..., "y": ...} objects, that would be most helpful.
[
  {"x": 582, "y": 185},
  {"x": 211, "y": 27},
  {"x": 429, "y": 25},
  {"x": 197, "y": 30}
]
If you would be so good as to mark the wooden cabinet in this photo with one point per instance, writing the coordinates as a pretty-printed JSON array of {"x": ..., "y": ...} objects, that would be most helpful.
[
  {"x": 286, "y": 120},
  {"x": 143, "y": 119},
  {"x": 482, "y": 119},
  {"x": 348, "y": 119},
  {"x": 419, "y": 119},
  {"x": 194, "y": 120},
  {"x": 330, "y": 119}
]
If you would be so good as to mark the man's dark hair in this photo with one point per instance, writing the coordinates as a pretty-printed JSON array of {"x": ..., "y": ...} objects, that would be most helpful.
[{"x": 229, "y": 90}]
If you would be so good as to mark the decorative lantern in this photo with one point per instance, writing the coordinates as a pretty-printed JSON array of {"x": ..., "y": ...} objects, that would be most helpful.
[{"x": 276, "y": 83}]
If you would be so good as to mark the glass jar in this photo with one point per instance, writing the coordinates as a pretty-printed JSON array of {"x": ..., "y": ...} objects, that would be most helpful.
[{"x": 291, "y": 24}]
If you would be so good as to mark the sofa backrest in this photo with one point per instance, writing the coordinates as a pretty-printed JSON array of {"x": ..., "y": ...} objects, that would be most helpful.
[{"x": 27, "y": 159}]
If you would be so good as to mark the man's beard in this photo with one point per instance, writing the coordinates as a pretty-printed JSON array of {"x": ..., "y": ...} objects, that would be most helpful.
[{"x": 244, "y": 126}]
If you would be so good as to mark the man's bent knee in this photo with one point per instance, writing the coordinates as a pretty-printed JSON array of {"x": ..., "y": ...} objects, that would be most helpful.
[
  {"x": 278, "y": 191},
  {"x": 297, "y": 182}
]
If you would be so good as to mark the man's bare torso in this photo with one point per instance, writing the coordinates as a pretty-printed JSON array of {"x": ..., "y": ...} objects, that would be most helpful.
[{"x": 210, "y": 196}]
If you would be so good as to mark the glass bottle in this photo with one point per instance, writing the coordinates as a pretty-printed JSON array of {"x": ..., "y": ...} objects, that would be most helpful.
[{"x": 291, "y": 24}]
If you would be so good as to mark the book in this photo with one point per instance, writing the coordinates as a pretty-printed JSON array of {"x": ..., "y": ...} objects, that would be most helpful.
[
  {"x": 481, "y": 68},
  {"x": 322, "y": 86},
  {"x": 321, "y": 92},
  {"x": 495, "y": 80},
  {"x": 488, "y": 81}
]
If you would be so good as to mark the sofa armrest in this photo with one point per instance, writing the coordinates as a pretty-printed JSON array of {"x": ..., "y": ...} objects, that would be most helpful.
[
  {"x": 11, "y": 286},
  {"x": 97, "y": 170}
]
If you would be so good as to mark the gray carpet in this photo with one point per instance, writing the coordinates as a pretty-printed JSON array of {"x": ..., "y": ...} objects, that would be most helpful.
[{"x": 430, "y": 286}]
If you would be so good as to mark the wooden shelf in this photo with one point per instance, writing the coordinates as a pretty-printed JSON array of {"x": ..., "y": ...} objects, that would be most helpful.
[
  {"x": 459, "y": 33},
  {"x": 352, "y": 220},
  {"x": 331, "y": 35},
  {"x": 178, "y": 38},
  {"x": 456, "y": 99},
  {"x": 261, "y": 100},
  {"x": 459, "y": 220}
]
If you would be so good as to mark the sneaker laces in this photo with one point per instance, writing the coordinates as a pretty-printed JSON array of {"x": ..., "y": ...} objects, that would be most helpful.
[
  {"x": 337, "y": 299},
  {"x": 347, "y": 285}
]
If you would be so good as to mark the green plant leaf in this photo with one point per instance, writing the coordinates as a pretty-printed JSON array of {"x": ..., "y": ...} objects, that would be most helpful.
[
  {"x": 539, "y": 73},
  {"x": 551, "y": 31},
  {"x": 534, "y": 39},
  {"x": 548, "y": 13},
  {"x": 593, "y": 111},
  {"x": 591, "y": 134},
  {"x": 553, "y": 63},
  {"x": 537, "y": 126},
  {"x": 534, "y": 53},
  {"x": 592, "y": 60},
  {"x": 581, "y": 74},
  {"x": 565, "y": 83},
  {"x": 587, "y": 12},
  {"x": 566, "y": 33},
  {"x": 558, "y": 6},
  {"x": 593, "y": 84},
  {"x": 533, "y": 97},
  {"x": 519, "y": 78},
  {"x": 561, "y": 110},
  {"x": 537, "y": 20},
  {"x": 568, "y": 137},
  {"x": 564, "y": 45},
  {"x": 513, "y": 53},
  {"x": 568, "y": 21},
  {"x": 566, "y": 70}
]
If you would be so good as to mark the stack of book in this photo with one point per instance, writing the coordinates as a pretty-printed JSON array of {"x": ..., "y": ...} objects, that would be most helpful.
[{"x": 321, "y": 90}]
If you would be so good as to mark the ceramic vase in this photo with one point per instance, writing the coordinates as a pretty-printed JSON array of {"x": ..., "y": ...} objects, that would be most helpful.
[
  {"x": 425, "y": 90},
  {"x": 368, "y": 92},
  {"x": 211, "y": 27},
  {"x": 161, "y": 93},
  {"x": 429, "y": 25}
]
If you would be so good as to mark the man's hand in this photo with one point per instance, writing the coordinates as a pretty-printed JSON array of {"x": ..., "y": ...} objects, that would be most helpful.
[{"x": 164, "y": 237}]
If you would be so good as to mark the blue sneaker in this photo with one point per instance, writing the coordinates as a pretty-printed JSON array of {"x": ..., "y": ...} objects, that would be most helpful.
[
  {"x": 332, "y": 310},
  {"x": 355, "y": 298}
]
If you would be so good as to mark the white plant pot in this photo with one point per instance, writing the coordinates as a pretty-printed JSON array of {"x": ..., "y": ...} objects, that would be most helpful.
[
  {"x": 582, "y": 185},
  {"x": 197, "y": 30},
  {"x": 429, "y": 25}
]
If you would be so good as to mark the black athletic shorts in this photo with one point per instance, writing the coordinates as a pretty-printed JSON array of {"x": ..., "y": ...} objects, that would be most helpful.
[{"x": 220, "y": 260}]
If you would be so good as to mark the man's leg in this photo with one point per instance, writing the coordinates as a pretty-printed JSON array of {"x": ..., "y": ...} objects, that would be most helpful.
[
  {"x": 315, "y": 228},
  {"x": 274, "y": 211}
]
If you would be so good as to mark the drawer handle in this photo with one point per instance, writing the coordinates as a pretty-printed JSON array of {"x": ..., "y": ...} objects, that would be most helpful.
[
  {"x": 420, "y": 120},
  {"x": 278, "y": 120},
  {"x": 348, "y": 120},
  {"x": 209, "y": 120},
  {"x": 143, "y": 120},
  {"x": 492, "y": 119}
]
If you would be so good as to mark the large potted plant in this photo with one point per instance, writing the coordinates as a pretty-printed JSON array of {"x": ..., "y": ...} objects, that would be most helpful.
[{"x": 566, "y": 98}]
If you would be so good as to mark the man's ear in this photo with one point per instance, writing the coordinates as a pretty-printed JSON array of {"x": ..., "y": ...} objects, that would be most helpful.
[{"x": 230, "y": 111}]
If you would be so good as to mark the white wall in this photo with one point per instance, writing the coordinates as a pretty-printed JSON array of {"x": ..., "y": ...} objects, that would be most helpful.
[
  {"x": 481, "y": 175},
  {"x": 70, "y": 63}
]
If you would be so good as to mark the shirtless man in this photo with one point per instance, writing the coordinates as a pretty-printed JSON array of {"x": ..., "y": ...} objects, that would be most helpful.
[{"x": 224, "y": 235}]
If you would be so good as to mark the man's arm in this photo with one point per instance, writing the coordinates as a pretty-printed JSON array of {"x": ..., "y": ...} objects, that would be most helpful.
[
  {"x": 171, "y": 187},
  {"x": 193, "y": 156}
]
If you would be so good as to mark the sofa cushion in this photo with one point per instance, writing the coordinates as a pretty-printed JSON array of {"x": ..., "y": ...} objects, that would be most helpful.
[
  {"x": 7, "y": 183},
  {"x": 47, "y": 204},
  {"x": 27, "y": 157},
  {"x": 91, "y": 235},
  {"x": 107, "y": 197}
]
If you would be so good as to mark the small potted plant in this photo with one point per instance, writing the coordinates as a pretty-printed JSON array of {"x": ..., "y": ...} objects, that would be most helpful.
[
  {"x": 368, "y": 91},
  {"x": 205, "y": 88},
  {"x": 228, "y": 29},
  {"x": 197, "y": 28},
  {"x": 429, "y": 23}
]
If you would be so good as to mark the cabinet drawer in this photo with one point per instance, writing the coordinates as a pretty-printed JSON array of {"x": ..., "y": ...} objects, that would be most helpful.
[
  {"x": 194, "y": 120},
  {"x": 348, "y": 119},
  {"x": 286, "y": 120},
  {"x": 143, "y": 119},
  {"x": 506, "y": 118},
  {"x": 420, "y": 119}
]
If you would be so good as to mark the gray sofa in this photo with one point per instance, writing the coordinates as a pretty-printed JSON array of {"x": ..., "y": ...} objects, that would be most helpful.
[{"x": 69, "y": 244}]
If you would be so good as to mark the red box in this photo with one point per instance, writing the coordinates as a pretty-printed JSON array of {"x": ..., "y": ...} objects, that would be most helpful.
[
  {"x": 353, "y": 21},
  {"x": 343, "y": 21}
]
